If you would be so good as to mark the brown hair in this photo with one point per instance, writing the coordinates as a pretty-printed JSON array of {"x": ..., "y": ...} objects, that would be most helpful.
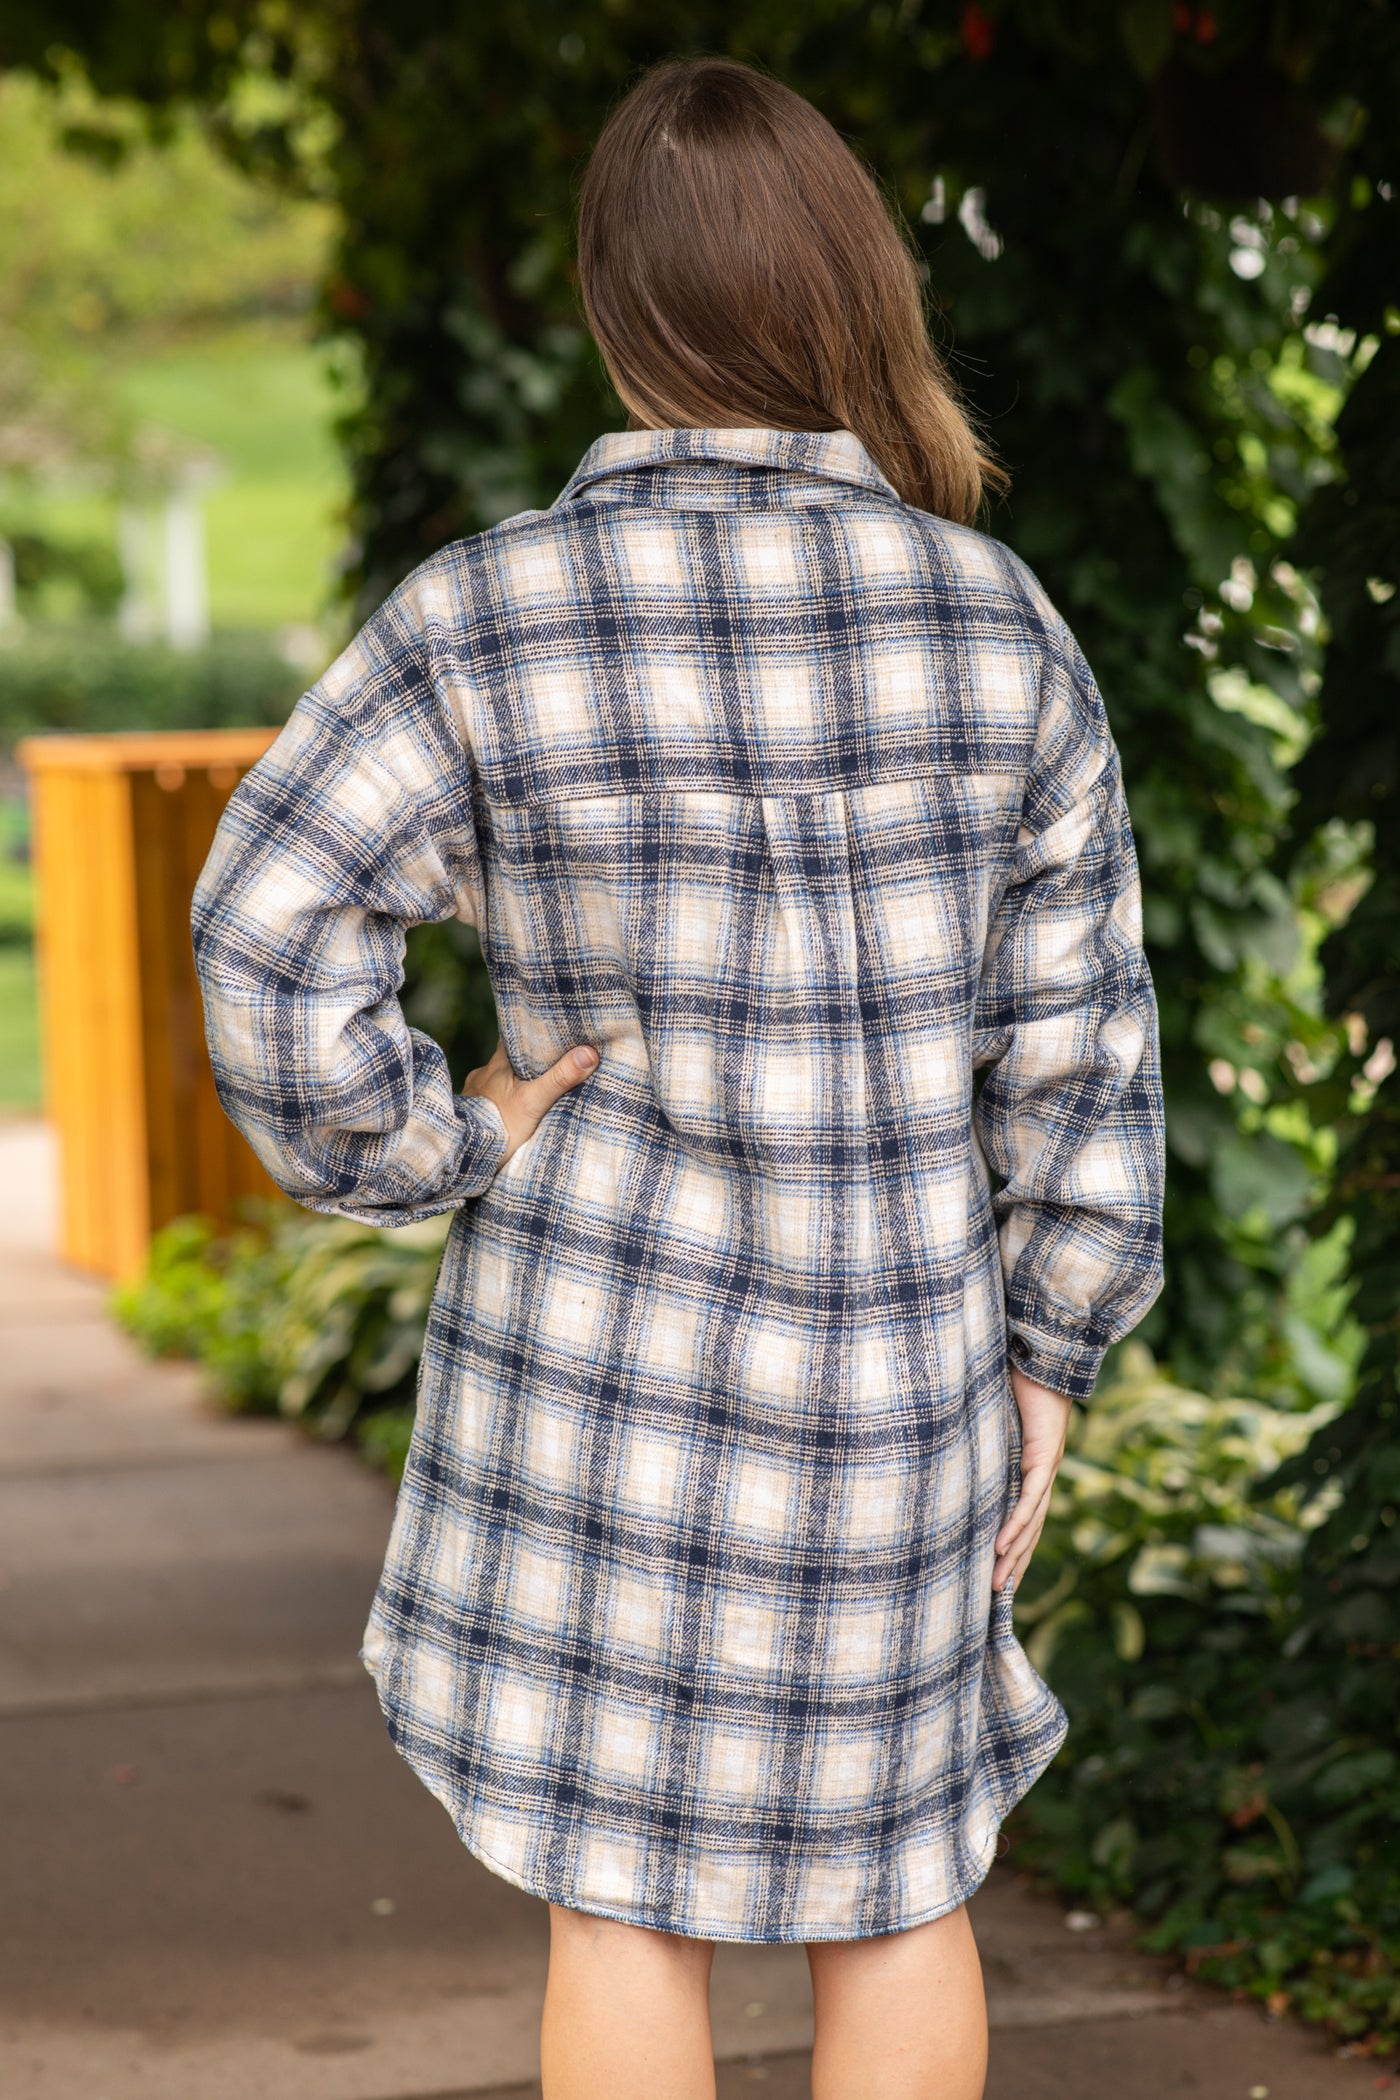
[{"x": 739, "y": 267}]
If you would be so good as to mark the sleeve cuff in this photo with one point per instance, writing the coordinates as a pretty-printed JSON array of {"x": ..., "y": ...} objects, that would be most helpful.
[
  {"x": 1062, "y": 1361},
  {"x": 486, "y": 1142}
]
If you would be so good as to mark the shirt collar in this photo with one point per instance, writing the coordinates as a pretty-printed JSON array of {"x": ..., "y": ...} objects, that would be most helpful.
[{"x": 701, "y": 465}]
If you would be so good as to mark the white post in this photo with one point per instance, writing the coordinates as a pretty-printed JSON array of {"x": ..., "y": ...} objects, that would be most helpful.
[
  {"x": 136, "y": 618},
  {"x": 186, "y": 571}
]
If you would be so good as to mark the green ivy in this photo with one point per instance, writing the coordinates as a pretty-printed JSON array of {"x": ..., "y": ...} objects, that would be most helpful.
[{"x": 1244, "y": 1789}]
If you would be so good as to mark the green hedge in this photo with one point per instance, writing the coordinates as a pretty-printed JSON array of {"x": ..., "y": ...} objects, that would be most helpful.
[{"x": 90, "y": 679}]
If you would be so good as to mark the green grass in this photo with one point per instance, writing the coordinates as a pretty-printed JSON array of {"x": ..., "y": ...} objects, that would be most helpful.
[
  {"x": 271, "y": 550},
  {"x": 259, "y": 394},
  {"x": 19, "y": 1030},
  {"x": 264, "y": 402},
  {"x": 16, "y": 897},
  {"x": 263, "y": 399},
  {"x": 19, "y": 1014}
]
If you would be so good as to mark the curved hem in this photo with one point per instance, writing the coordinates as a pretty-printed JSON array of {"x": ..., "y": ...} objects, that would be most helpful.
[{"x": 1000, "y": 1810}]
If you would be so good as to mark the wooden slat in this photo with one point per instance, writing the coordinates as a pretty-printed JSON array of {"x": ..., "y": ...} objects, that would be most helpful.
[
  {"x": 241, "y": 1173},
  {"x": 140, "y": 750},
  {"x": 58, "y": 885},
  {"x": 165, "y": 1054},
  {"x": 91, "y": 1014},
  {"x": 198, "y": 1161},
  {"x": 115, "y": 1055},
  {"x": 212, "y": 1137}
]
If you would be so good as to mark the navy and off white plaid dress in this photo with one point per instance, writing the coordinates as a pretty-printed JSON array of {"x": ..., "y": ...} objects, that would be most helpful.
[{"x": 801, "y": 805}]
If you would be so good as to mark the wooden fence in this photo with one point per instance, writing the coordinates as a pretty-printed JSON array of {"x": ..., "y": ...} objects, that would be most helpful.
[{"x": 122, "y": 826}]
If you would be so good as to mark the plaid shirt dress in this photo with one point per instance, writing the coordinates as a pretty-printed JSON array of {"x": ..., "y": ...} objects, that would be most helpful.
[{"x": 801, "y": 804}]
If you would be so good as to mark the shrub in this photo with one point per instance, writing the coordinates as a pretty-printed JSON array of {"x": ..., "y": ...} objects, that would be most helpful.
[
  {"x": 1202, "y": 1780},
  {"x": 90, "y": 679},
  {"x": 213, "y": 1297},
  {"x": 346, "y": 1336},
  {"x": 316, "y": 1318}
]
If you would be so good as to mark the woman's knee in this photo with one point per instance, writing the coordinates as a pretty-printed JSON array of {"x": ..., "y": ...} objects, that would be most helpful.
[
  {"x": 614, "y": 1938},
  {"x": 934, "y": 1938}
]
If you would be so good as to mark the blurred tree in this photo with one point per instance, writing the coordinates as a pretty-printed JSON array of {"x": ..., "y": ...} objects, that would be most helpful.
[
  {"x": 114, "y": 256},
  {"x": 118, "y": 242}
]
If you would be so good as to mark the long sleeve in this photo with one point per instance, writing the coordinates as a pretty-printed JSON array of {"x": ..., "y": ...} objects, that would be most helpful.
[
  {"x": 356, "y": 824},
  {"x": 1070, "y": 1111}
]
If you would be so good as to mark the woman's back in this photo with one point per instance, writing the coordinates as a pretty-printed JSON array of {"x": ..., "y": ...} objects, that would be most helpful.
[
  {"x": 759, "y": 735},
  {"x": 800, "y": 804}
]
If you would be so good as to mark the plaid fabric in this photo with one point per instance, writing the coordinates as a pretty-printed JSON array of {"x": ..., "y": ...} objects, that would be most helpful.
[{"x": 802, "y": 805}]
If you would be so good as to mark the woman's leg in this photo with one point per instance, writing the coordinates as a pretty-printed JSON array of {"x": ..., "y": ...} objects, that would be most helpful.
[
  {"x": 626, "y": 2012},
  {"x": 901, "y": 2016}
]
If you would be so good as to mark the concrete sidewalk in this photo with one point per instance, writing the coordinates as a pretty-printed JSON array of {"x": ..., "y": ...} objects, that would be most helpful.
[{"x": 219, "y": 1880}]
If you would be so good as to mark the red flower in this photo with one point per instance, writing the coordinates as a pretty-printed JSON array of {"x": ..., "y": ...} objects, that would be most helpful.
[
  {"x": 347, "y": 301},
  {"x": 1207, "y": 28},
  {"x": 1181, "y": 17},
  {"x": 977, "y": 31}
]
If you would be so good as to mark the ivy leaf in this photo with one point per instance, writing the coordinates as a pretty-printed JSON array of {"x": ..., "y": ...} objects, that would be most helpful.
[
  {"x": 1260, "y": 1173},
  {"x": 1146, "y": 27},
  {"x": 1351, "y": 1777}
]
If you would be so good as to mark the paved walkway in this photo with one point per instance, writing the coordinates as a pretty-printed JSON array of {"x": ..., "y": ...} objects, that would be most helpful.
[{"x": 221, "y": 1883}]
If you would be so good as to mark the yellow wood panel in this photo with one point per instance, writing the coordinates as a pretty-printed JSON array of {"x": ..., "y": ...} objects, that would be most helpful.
[
  {"x": 122, "y": 827},
  {"x": 61, "y": 991},
  {"x": 90, "y": 1013},
  {"x": 112, "y": 1055},
  {"x": 66, "y": 992}
]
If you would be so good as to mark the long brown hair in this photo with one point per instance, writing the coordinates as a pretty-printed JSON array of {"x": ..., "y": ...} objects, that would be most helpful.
[{"x": 739, "y": 267}]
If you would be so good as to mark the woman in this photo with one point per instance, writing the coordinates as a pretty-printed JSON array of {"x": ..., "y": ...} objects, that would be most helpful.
[{"x": 785, "y": 803}]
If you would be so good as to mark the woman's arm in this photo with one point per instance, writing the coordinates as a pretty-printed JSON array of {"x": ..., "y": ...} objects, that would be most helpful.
[
  {"x": 1070, "y": 1114},
  {"x": 356, "y": 824}
]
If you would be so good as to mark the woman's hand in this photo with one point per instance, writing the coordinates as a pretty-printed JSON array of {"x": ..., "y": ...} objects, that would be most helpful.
[
  {"x": 1044, "y": 1422},
  {"x": 524, "y": 1103}
]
